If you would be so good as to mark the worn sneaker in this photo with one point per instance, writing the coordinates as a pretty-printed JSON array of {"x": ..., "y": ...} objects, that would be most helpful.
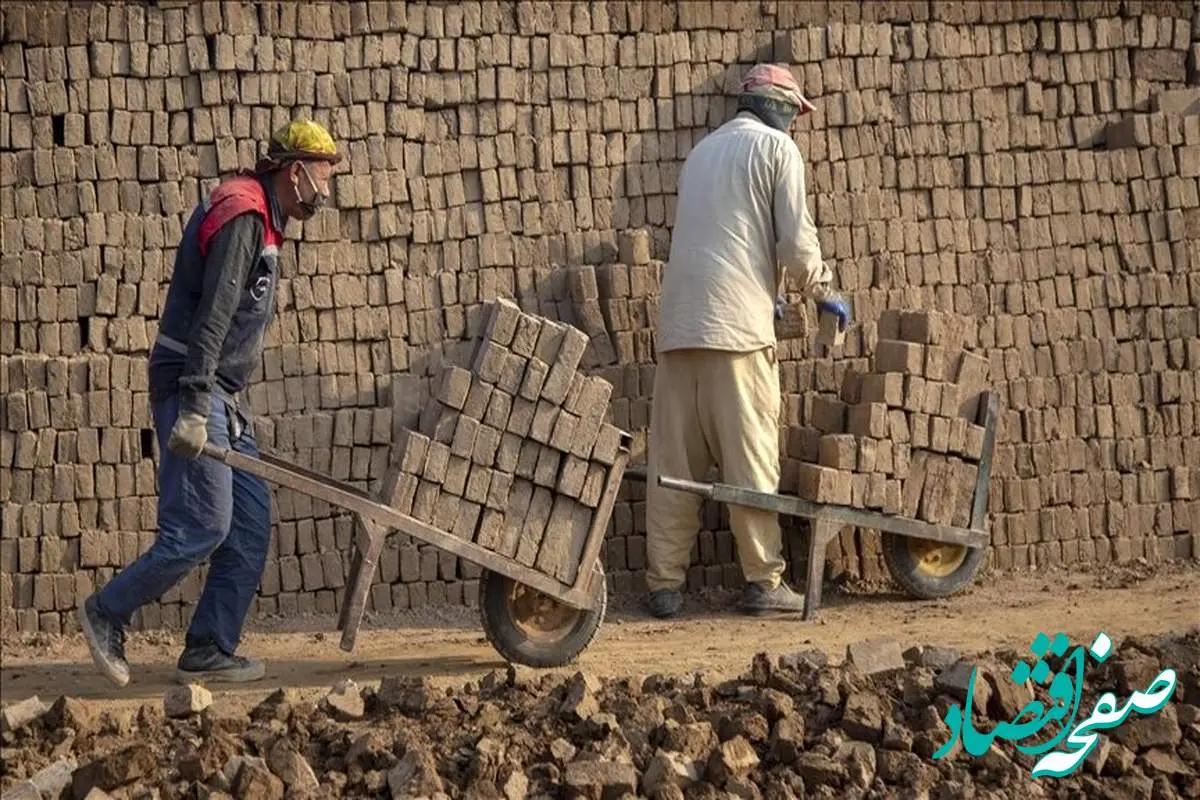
[
  {"x": 759, "y": 600},
  {"x": 664, "y": 603},
  {"x": 210, "y": 663},
  {"x": 106, "y": 641}
]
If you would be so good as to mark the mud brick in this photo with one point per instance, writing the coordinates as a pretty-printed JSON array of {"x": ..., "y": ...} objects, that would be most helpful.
[
  {"x": 868, "y": 419},
  {"x": 893, "y": 496},
  {"x": 892, "y": 355},
  {"x": 436, "y": 460},
  {"x": 851, "y": 391},
  {"x": 932, "y": 327},
  {"x": 562, "y": 371},
  {"x": 498, "y": 490},
  {"x": 479, "y": 480},
  {"x": 939, "y": 363},
  {"x": 400, "y": 493},
  {"x": 965, "y": 476},
  {"x": 554, "y": 554},
  {"x": 467, "y": 519},
  {"x": 858, "y": 489},
  {"x": 490, "y": 361},
  {"x": 804, "y": 443},
  {"x": 608, "y": 444},
  {"x": 867, "y": 455},
  {"x": 574, "y": 399},
  {"x": 572, "y": 477},
  {"x": 512, "y": 373},
  {"x": 454, "y": 386},
  {"x": 633, "y": 247},
  {"x": 914, "y": 393},
  {"x": 973, "y": 441},
  {"x": 455, "y": 481},
  {"x": 425, "y": 501},
  {"x": 550, "y": 339},
  {"x": 487, "y": 442},
  {"x": 887, "y": 388},
  {"x": 914, "y": 484},
  {"x": 939, "y": 434},
  {"x": 839, "y": 451},
  {"x": 876, "y": 490},
  {"x": 491, "y": 527},
  {"x": 546, "y": 471},
  {"x": 442, "y": 425},
  {"x": 445, "y": 513},
  {"x": 824, "y": 484},
  {"x": 535, "y": 377},
  {"x": 939, "y": 492},
  {"x": 534, "y": 526},
  {"x": 527, "y": 459},
  {"x": 502, "y": 322},
  {"x": 413, "y": 449},
  {"x": 958, "y": 435},
  {"x": 515, "y": 511},
  {"x": 499, "y": 407},
  {"x": 918, "y": 425},
  {"x": 562, "y": 437},
  {"x": 1181, "y": 484},
  {"x": 933, "y": 397},
  {"x": 520, "y": 419},
  {"x": 951, "y": 399},
  {"x": 463, "y": 443},
  {"x": 478, "y": 400},
  {"x": 888, "y": 324},
  {"x": 508, "y": 452},
  {"x": 593, "y": 485},
  {"x": 828, "y": 416},
  {"x": 525, "y": 338},
  {"x": 544, "y": 418}
]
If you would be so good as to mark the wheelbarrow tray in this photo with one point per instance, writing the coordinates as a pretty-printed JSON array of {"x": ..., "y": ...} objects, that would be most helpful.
[{"x": 376, "y": 519}]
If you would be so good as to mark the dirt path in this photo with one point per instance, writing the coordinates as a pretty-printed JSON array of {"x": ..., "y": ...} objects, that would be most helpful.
[{"x": 1005, "y": 611}]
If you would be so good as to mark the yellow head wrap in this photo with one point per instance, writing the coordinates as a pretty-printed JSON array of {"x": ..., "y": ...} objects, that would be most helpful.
[{"x": 301, "y": 140}]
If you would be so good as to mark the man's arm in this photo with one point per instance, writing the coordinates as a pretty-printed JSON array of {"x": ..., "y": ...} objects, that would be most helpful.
[
  {"x": 232, "y": 253},
  {"x": 797, "y": 247}
]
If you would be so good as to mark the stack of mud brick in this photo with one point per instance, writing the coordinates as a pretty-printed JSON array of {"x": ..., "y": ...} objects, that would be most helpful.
[
  {"x": 514, "y": 453},
  {"x": 904, "y": 438},
  {"x": 1032, "y": 166}
]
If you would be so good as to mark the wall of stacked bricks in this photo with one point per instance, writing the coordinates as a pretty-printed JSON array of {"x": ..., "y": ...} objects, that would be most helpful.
[{"x": 957, "y": 160}]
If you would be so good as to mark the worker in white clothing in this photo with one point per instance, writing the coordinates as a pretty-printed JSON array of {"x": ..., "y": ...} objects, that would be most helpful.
[{"x": 741, "y": 224}]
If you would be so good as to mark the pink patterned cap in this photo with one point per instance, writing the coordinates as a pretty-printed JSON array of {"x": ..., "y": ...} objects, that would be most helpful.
[{"x": 778, "y": 83}]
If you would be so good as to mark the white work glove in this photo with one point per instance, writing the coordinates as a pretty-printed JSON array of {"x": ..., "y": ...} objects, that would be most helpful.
[{"x": 189, "y": 435}]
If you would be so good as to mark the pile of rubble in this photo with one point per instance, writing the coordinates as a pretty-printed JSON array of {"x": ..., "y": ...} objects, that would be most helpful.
[{"x": 790, "y": 727}]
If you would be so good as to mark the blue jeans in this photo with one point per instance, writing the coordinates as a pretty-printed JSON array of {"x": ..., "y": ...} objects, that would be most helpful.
[{"x": 205, "y": 510}]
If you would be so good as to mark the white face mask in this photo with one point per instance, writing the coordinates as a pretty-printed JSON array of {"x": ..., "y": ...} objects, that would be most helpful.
[{"x": 309, "y": 207}]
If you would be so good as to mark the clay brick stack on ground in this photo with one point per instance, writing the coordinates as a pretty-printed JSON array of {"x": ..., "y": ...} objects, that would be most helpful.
[{"x": 1030, "y": 166}]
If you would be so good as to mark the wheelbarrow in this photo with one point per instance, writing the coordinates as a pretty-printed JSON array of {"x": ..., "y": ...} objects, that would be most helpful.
[
  {"x": 529, "y": 617},
  {"x": 928, "y": 561}
]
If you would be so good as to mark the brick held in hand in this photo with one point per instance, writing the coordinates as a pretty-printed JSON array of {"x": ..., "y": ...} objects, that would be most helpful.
[
  {"x": 897, "y": 356},
  {"x": 824, "y": 484},
  {"x": 453, "y": 387},
  {"x": 839, "y": 451}
]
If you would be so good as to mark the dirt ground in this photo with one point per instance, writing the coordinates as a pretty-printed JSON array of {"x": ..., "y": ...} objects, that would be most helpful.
[{"x": 448, "y": 646}]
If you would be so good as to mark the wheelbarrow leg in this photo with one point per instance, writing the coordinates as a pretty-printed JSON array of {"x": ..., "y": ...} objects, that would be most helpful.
[
  {"x": 368, "y": 542},
  {"x": 822, "y": 532}
]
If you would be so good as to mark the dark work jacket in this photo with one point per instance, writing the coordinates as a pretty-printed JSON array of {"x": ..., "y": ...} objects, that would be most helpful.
[{"x": 221, "y": 297}]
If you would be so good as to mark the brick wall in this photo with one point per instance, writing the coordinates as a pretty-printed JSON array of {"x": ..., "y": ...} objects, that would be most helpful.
[{"x": 1026, "y": 164}]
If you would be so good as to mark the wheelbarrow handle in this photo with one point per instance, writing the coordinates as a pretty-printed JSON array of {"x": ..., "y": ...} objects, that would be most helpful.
[{"x": 215, "y": 451}]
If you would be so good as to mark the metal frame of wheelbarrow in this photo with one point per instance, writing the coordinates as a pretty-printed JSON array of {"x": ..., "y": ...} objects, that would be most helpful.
[
  {"x": 827, "y": 519},
  {"x": 376, "y": 519}
]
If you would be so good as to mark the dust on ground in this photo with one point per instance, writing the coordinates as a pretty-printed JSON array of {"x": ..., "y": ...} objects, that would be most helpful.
[{"x": 447, "y": 646}]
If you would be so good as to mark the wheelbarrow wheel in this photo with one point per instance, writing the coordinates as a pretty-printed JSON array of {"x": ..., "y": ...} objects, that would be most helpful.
[
  {"x": 927, "y": 569},
  {"x": 533, "y": 629}
]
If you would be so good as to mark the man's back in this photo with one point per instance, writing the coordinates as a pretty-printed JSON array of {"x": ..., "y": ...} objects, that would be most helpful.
[{"x": 719, "y": 284}]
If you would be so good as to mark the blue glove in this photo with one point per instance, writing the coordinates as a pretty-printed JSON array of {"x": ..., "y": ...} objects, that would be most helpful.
[
  {"x": 836, "y": 304},
  {"x": 780, "y": 304}
]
